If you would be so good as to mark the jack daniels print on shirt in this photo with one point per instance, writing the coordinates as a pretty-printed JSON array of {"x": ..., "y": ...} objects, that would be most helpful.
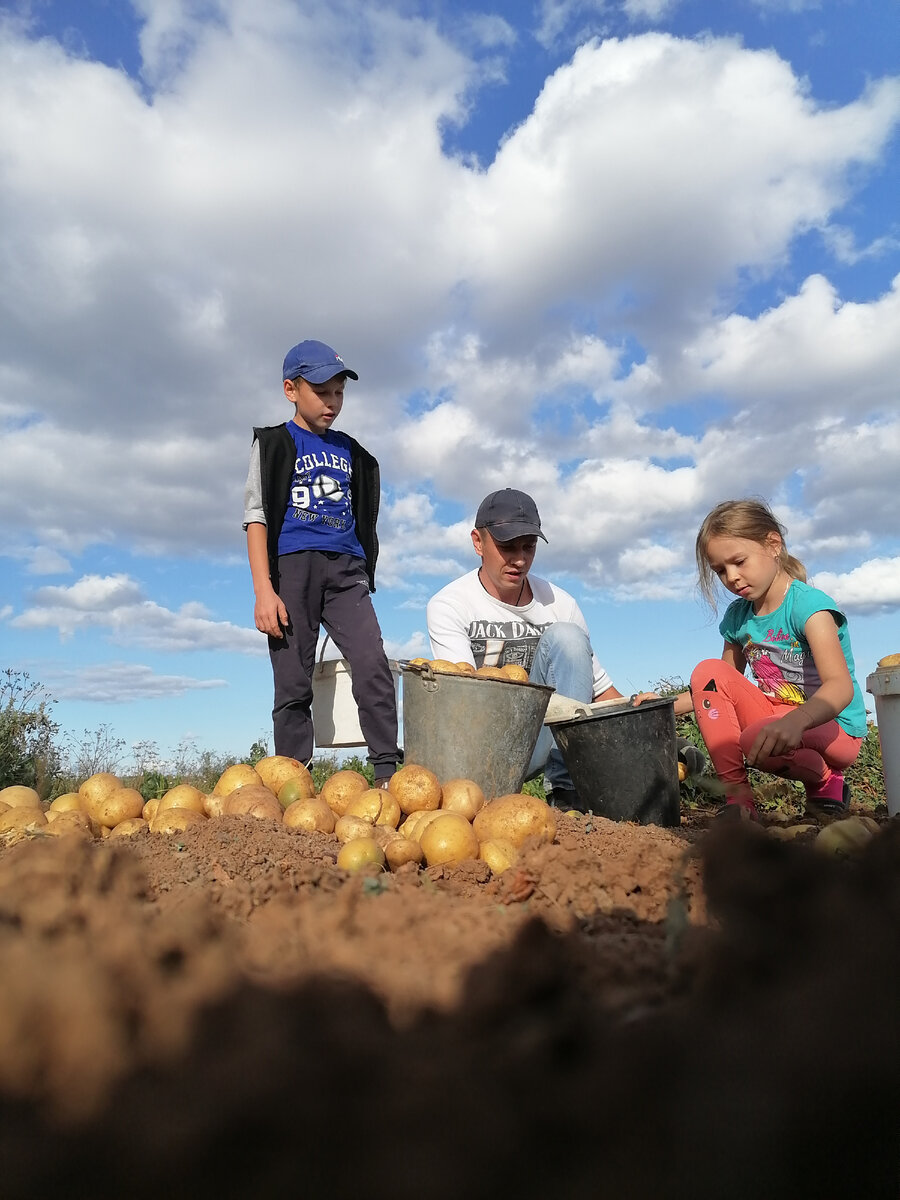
[{"x": 497, "y": 643}]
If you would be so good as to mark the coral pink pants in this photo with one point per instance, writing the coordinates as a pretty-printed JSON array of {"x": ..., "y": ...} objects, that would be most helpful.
[{"x": 730, "y": 712}]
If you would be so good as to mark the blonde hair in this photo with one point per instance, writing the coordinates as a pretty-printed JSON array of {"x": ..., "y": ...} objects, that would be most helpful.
[{"x": 750, "y": 519}]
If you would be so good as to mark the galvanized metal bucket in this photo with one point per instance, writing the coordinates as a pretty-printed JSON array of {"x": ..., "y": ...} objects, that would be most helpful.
[{"x": 466, "y": 727}]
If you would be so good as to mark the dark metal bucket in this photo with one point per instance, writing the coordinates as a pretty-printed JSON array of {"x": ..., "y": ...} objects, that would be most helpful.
[
  {"x": 465, "y": 727},
  {"x": 624, "y": 762}
]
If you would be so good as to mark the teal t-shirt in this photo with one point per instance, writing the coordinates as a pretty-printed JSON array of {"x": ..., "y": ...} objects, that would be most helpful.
[{"x": 779, "y": 654}]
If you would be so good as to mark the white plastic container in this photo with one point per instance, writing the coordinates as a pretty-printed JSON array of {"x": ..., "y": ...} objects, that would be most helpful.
[
  {"x": 884, "y": 684},
  {"x": 334, "y": 712}
]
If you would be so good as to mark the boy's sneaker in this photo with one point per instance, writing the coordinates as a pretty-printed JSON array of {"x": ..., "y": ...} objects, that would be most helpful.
[{"x": 825, "y": 801}]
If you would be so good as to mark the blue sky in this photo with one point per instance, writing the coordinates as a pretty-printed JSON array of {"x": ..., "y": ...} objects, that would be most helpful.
[{"x": 632, "y": 256}]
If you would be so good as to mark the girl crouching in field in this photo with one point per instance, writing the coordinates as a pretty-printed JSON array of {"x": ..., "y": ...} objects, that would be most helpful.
[{"x": 806, "y": 719}]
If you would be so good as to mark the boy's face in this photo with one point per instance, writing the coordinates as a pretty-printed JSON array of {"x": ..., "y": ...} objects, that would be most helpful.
[{"x": 318, "y": 405}]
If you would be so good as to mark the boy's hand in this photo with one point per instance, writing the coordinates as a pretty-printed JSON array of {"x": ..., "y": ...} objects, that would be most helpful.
[
  {"x": 641, "y": 696},
  {"x": 780, "y": 737},
  {"x": 270, "y": 614}
]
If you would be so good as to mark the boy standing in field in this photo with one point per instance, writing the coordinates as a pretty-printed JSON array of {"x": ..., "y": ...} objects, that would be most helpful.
[{"x": 310, "y": 507}]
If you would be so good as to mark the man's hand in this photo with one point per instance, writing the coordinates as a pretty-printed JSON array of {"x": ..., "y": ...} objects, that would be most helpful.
[
  {"x": 780, "y": 737},
  {"x": 270, "y": 614}
]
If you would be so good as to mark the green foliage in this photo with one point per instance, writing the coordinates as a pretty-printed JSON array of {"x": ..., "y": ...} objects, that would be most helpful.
[
  {"x": 28, "y": 753},
  {"x": 866, "y": 776},
  {"x": 535, "y": 787},
  {"x": 258, "y": 751}
]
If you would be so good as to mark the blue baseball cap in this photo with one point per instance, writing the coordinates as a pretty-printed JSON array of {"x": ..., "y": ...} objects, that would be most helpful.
[{"x": 315, "y": 362}]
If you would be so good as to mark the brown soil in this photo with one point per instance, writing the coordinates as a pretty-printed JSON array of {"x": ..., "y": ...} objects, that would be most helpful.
[{"x": 632, "y": 1012}]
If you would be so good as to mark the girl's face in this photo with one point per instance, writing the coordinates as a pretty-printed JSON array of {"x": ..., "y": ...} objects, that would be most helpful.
[{"x": 749, "y": 569}]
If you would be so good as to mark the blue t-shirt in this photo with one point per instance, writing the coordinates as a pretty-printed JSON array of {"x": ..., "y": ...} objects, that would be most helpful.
[
  {"x": 779, "y": 654},
  {"x": 319, "y": 515}
]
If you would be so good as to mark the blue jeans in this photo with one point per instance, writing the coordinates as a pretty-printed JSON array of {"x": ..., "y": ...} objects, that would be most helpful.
[{"x": 563, "y": 660}]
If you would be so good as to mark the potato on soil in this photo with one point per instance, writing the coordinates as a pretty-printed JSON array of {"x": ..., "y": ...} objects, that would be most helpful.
[
  {"x": 462, "y": 796},
  {"x": 96, "y": 786},
  {"x": 843, "y": 837},
  {"x": 17, "y": 796},
  {"x": 237, "y": 776},
  {"x": 17, "y": 823},
  {"x": 347, "y": 828},
  {"x": 174, "y": 820},
  {"x": 515, "y": 672},
  {"x": 415, "y": 788},
  {"x": 390, "y": 810},
  {"x": 419, "y": 822},
  {"x": 400, "y": 851},
  {"x": 515, "y": 818},
  {"x": 71, "y": 822},
  {"x": 310, "y": 814},
  {"x": 115, "y": 806},
  {"x": 182, "y": 795},
  {"x": 499, "y": 854},
  {"x": 277, "y": 769},
  {"x": 252, "y": 801},
  {"x": 340, "y": 788},
  {"x": 67, "y": 802},
  {"x": 150, "y": 809},
  {"x": 359, "y": 853},
  {"x": 213, "y": 805},
  {"x": 366, "y": 805},
  {"x": 132, "y": 825},
  {"x": 449, "y": 838}
]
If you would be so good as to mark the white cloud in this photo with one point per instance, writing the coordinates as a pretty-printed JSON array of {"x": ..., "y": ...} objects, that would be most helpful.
[
  {"x": 873, "y": 586},
  {"x": 494, "y": 314},
  {"x": 811, "y": 341},
  {"x": 120, "y": 683},
  {"x": 116, "y": 605},
  {"x": 648, "y": 10}
]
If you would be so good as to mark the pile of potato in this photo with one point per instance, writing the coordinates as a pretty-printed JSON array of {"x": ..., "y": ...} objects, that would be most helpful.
[
  {"x": 417, "y": 820},
  {"x": 511, "y": 672},
  {"x": 414, "y": 820}
]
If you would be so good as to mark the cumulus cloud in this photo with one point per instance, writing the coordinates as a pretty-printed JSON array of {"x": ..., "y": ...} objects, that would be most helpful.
[
  {"x": 873, "y": 586},
  {"x": 558, "y": 319},
  {"x": 116, "y": 605}
]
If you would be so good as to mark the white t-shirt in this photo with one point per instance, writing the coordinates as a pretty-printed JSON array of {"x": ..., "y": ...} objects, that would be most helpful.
[{"x": 468, "y": 624}]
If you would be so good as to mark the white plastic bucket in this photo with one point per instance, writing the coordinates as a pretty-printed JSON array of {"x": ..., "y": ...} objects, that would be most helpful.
[
  {"x": 884, "y": 684},
  {"x": 334, "y": 712}
]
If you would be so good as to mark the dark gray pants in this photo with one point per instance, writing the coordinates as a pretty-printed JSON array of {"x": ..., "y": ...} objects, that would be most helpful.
[{"x": 330, "y": 589}]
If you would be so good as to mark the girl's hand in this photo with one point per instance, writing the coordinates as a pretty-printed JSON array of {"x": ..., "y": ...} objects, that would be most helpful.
[
  {"x": 641, "y": 696},
  {"x": 780, "y": 737}
]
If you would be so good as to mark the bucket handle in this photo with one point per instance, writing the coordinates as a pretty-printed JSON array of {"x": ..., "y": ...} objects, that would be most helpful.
[{"x": 325, "y": 642}]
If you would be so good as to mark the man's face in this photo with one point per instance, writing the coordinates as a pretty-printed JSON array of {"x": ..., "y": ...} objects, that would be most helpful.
[
  {"x": 504, "y": 565},
  {"x": 318, "y": 404}
]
